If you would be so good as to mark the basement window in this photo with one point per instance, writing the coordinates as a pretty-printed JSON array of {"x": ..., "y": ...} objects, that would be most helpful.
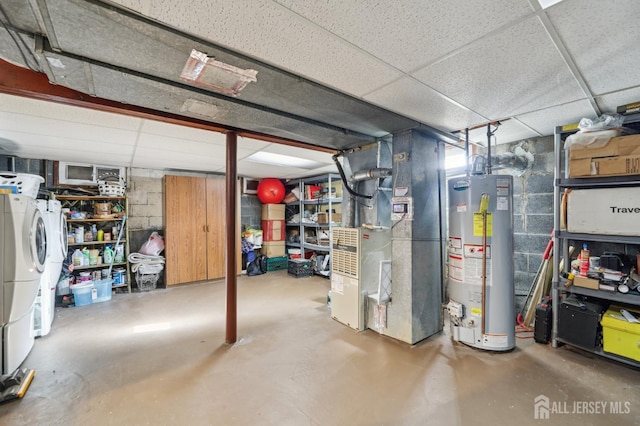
[{"x": 204, "y": 71}]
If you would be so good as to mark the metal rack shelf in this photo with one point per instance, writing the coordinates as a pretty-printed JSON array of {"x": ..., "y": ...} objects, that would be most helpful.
[{"x": 562, "y": 237}]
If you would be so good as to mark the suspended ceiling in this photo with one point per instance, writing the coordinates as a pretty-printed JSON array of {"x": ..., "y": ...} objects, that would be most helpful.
[{"x": 339, "y": 74}]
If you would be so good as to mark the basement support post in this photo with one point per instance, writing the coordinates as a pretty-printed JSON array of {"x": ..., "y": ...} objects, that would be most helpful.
[{"x": 230, "y": 276}]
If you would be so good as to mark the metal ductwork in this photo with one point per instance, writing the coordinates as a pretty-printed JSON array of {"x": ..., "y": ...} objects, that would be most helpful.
[{"x": 517, "y": 162}]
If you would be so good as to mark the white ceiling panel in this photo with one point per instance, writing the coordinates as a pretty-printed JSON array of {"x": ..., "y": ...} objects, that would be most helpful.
[
  {"x": 78, "y": 132},
  {"x": 319, "y": 156},
  {"x": 413, "y": 99},
  {"x": 509, "y": 130},
  {"x": 602, "y": 38},
  {"x": 61, "y": 148},
  {"x": 259, "y": 170},
  {"x": 62, "y": 112},
  {"x": 546, "y": 120},
  {"x": 610, "y": 102},
  {"x": 268, "y": 31},
  {"x": 182, "y": 132},
  {"x": 513, "y": 72},
  {"x": 410, "y": 33}
]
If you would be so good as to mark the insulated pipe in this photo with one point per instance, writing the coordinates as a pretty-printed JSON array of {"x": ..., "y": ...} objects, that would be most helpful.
[{"x": 230, "y": 276}]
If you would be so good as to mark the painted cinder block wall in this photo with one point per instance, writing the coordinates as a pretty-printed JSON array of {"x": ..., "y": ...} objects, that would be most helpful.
[{"x": 533, "y": 211}]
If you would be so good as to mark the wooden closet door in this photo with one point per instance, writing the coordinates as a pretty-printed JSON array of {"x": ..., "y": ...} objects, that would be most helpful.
[
  {"x": 186, "y": 229},
  {"x": 216, "y": 224}
]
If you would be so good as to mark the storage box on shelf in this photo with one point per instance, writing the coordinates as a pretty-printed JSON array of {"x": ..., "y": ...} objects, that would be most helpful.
[
  {"x": 314, "y": 214},
  {"x": 597, "y": 207},
  {"x": 105, "y": 214}
]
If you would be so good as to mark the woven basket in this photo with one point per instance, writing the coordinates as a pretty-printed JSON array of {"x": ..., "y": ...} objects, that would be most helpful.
[{"x": 109, "y": 188}]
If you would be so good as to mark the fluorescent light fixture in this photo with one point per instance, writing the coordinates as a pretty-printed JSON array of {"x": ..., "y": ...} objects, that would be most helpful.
[
  {"x": 160, "y": 326},
  {"x": 283, "y": 160},
  {"x": 545, "y": 4}
]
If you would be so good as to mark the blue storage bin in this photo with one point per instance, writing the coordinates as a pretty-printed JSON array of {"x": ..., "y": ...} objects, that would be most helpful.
[
  {"x": 82, "y": 293},
  {"x": 103, "y": 288}
]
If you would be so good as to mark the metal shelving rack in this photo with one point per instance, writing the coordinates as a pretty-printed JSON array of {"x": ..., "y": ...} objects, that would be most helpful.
[
  {"x": 562, "y": 237},
  {"x": 326, "y": 180}
]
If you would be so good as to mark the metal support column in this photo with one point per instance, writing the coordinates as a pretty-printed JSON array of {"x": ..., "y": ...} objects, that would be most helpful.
[{"x": 231, "y": 283}]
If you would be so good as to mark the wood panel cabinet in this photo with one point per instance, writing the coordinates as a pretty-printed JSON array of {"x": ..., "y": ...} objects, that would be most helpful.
[{"x": 195, "y": 243}]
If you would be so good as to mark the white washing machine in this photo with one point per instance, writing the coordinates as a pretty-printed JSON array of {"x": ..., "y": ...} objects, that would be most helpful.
[
  {"x": 56, "y": 226},
  {"x": 23, "y": 253}
]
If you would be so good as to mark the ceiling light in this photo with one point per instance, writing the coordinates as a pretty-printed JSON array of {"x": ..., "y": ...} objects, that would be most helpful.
[
  {"x": 204, "y": 71},
  {"x": 545, "y": 4},
  {"x": 283, "y": 160}
]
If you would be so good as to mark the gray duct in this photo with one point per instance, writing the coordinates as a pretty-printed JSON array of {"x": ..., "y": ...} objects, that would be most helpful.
[{"x": 359, "y": 176}]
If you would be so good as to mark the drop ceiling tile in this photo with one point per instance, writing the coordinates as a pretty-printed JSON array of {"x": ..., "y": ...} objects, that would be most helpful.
[
  {"x": 307, "y": 154},
  {"x": 267, "y": 31},
  {"x": 259, "y": 170},
  {"x": 61, "y": 112},
  {"x": 152, "y": 158},
  {"x": 513, "y": 72},
  {"x": 409, "y": 33},
  {"x": 74, "y": 131},
  {"x": 602, "y": 38},
  {"x": 546, "y": 120},
  {"x": 610, "y": 103},
  {"x": 508, "y": 131},
  {"x": 413, "y": 99},
  {"x": 61, "y": 148},
  {"x": 182, "y": 132}
]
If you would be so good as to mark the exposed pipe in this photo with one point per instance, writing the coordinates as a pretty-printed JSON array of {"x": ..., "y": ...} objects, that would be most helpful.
[
  {"x": 466, "y": 151},
  {"x": 344, "y": 180},
  {"x": 375, "y": 173},
  {"x": 230, "y": 276},
  {"x": 489, "y": 148}
]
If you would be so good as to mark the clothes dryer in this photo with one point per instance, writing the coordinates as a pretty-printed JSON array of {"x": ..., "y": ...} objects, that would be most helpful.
[{"x": 23, "y": 252}]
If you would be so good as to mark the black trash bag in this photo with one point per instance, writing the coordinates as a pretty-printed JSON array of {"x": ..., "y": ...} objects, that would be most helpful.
[
  {"x": 262, "y": 260},
  {"x": 253, "y": 268}
]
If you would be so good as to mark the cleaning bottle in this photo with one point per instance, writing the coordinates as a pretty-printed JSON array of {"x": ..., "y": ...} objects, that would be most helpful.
[
  {"x": 77, "y": 257},
  {"x": 584, "y": 260},
  {"x": 108, "y": 255}
]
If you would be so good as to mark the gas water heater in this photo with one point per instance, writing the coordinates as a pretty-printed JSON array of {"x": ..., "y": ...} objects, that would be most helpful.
[{"x": 480, "y": 261}]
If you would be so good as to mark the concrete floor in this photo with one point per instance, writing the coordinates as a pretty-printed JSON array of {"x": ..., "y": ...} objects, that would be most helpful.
[{"x": 159, "y": 358}]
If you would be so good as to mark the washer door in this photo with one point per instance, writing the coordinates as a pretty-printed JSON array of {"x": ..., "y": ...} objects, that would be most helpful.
[
  {"x": 63, "y": 235},
  {"x": 38, "y": 241}
]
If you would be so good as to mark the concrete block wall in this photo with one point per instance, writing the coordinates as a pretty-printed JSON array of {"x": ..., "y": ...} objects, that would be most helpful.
[{"x": 533, "y": 212}]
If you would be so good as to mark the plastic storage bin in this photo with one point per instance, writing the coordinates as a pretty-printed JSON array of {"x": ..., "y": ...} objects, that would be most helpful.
[
  {"x": 619, "y": 336},
  {"x": 82, "y": 293},
  {"x": 277, "y": 263},
  {"x": 103, "y": 290},
  {"x": 300, "y": 268}
]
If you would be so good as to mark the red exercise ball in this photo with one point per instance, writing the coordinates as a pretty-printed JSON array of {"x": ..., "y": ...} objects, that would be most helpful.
[{"x": 271, "y": 191}]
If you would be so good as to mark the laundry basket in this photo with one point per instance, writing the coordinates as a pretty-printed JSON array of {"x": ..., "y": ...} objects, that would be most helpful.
[
  {"x": 112, "y": 186},
  {"x": 147, "y": 276},
  {"x": 24, "y": 183}
]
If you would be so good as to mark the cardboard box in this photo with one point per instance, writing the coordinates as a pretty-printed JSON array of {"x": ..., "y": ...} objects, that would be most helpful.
[
  {"x": 273, "y": 248},
  {"x": 273, "y": 212},
  {"x": 608, "y": 211},
  {"x": 621, "y": 145},
  {"x": 619, "y": 157},
  {"x": 585, "y": 282},
  {"x": 620, "y": 336},
  {"x": 324, "y": 217},
  {"x": 273, "y": 230}
]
